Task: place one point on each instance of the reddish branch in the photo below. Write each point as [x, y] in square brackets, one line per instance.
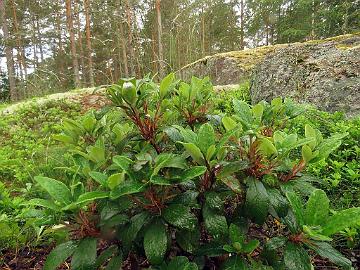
[147, 126]
[294, 171]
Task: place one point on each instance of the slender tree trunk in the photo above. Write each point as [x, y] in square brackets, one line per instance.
[69, 17]
[153, 50]
[137, 49]
[8, 52]
[39, 39]
[60, 50]
[20, 47]
[36, 61]
[130, 37]
[124, 52]
[202, 34]
[80, 42]
[160, 46]
[88, 42]
[346, 18]
[242, 45]
[313, 19]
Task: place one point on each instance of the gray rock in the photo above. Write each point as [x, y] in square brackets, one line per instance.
[227, 68]
[324, 73]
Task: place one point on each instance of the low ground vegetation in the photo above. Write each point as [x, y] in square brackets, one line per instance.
[171, 176]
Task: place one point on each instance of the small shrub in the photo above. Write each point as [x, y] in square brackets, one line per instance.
[165, 191]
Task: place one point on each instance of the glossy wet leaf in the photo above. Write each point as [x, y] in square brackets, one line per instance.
[57, 190]
[59, 254]
[155, 242]
[85, 254]
[296, 257]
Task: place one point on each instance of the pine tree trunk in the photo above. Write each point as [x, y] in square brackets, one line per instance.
[39, 39]
[123, 47]
[242, 45]
[60, 51]
[160, 46]
[80, 42]
[69, 17]
[8, 53]
[346, 18]
[34, 43]
[130, 38]
[88, 42]
[20, 48]
[313, 20]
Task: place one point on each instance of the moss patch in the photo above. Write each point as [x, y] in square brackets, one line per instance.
[248, 58]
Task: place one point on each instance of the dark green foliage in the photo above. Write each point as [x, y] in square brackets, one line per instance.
[154, 186]
[166, 186]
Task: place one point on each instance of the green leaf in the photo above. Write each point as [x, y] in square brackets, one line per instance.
[155, 242]
[188, 240]
[341, 220]
[166, 160]
[99, 177]
[105, 255]
[250, 246]
[229, 123]
[244, 111]
[57, 190]
[181, 263]
[317, 208]
[267, 148]
[306, 153]
[314, 233]
[213, 200]
[43, 203]
[65, 138]
[159, 180]
[296, 206]
[59, 254]
[194, 152]
[210, 152]
[215, 224]
[96, 154]
[115, 263]
[126, 188]
[91, 196]
[296, 257]
[89, 122]
[329, 145]
[180, 216]
[232, 167]
[234, 263]
[212, 249]
[325, 250]
[276, 242]
[115, 180]
[115, 220]
[291, 223]
[257, 201]
[122, 162]
[206, 137]
[165, 85]
[129, 233]
[258, 111]
[278, 201]
[232, 183]
[236, 234]
[191, 173]
[310, 133]
[85, 255]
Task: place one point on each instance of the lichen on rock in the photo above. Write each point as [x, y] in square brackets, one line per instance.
[325, 74]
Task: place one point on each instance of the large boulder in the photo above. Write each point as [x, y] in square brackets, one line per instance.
[324, 73]
[227, 68]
